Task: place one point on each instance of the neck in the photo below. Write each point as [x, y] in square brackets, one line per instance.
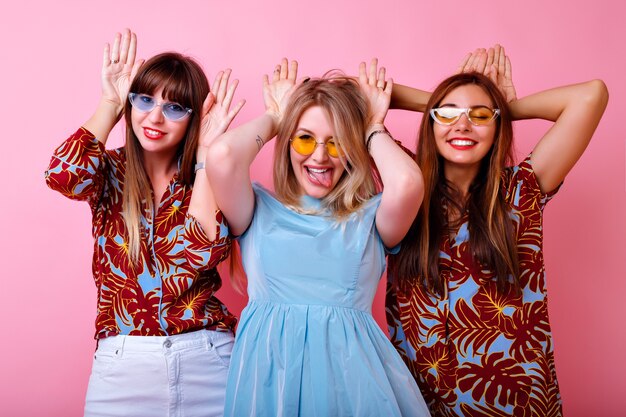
[461, 177]
[160, 165]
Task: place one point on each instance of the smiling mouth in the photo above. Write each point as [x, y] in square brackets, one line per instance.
[462, 143]
[152, 133]
[320, 176]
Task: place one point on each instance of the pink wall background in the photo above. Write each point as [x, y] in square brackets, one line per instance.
[49, 72]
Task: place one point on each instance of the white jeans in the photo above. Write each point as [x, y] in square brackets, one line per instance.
[151, 376]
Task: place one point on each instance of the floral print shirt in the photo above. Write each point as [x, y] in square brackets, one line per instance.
[171, 290]
[475, 351]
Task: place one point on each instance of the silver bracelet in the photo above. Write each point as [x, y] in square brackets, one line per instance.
[198, 166]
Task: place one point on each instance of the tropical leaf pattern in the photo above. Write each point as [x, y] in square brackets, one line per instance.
[171, 290]
[474, 350]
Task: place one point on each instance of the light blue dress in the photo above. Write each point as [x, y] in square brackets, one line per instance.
[307, 343]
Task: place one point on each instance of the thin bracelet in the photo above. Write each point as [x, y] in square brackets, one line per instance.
[198, 166]
[368, 142]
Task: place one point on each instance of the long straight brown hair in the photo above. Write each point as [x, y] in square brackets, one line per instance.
[183, 82]
[492, 232]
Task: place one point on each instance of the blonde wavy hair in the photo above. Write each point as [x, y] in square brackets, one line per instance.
[347, 110]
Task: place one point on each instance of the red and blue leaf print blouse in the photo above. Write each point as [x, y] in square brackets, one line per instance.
[172, 289]
[476, 351]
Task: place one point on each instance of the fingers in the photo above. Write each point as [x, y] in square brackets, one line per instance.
[381, 78]
[216, 82]
[276, 74]
[132, 49]
[463, 64]
[508, 71]
[222, 92]
[124, 49]
[372, 71]
[124, 46]
[293, 71]
[372, 75]
[501, 59]
[235, 110]
[389, 86]
[283, 68]
[481, 61]
[208, 103]
[490, 59]
[469, 66]
[493, 73]
[106, 55]
[115, 51]
[228, 97]
[135, 69]
[223, 86]
[362, 73]
[284, 71]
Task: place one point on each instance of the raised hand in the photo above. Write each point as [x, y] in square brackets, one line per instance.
[493, 63]
[500, 73]
[216, 112]
[119, 68]
[376, 90]
[478, 61]
[277, 92]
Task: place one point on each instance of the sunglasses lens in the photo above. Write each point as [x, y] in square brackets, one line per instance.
[145, 103]
[142, 102]
[481, 115]
[447, 115]
[333, 149]
[174, 111]
[304, 145]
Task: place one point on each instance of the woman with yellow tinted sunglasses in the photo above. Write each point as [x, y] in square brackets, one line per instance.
[314, 251]
[467, 296]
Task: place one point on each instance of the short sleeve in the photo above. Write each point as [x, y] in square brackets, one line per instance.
[522, 186]
[77, 167]
[201, 252]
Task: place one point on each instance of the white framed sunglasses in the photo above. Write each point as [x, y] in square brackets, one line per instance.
[477, 115]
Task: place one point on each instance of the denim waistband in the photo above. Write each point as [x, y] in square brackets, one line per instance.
[198, 338]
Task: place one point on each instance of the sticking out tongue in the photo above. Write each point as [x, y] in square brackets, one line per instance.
[322, 177]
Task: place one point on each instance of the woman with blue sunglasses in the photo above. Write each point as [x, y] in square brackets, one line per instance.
[466, 302]
[163, 338]
[314, 250]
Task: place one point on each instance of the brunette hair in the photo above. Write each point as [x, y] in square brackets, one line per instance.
[347, 110]
[492, 232]
[183, 82]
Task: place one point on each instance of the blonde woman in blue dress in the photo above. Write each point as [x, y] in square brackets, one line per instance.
[313, 252]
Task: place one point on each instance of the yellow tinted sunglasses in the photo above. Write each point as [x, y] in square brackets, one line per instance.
[478, 115]
[306, 144]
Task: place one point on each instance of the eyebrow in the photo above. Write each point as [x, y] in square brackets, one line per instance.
[305, 130]
[454, 105]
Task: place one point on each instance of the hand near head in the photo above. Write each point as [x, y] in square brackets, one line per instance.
[501, 74]
[276, 93]
[119, 68]
[216, 112]
[376, 90]
[495, 64]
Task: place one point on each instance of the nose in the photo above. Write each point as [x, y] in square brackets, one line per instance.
[156, 114]
[463, 123]
[321, 152]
